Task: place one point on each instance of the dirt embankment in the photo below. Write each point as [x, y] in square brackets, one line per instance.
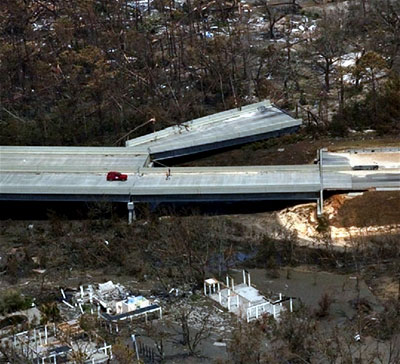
[375, 208]
[345, 217]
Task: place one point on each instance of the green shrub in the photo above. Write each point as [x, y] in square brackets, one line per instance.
[12, 301]
[323, 224]
[50, 312]
[379, 111]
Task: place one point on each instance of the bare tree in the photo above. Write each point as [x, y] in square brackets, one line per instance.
[275, 11]
[247, 344]
[193, 331]
[328, 46]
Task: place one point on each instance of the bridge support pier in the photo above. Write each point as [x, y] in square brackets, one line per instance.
[320, 204]
[131, 212]
[320, 201]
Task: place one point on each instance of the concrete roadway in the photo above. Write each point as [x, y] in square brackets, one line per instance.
[70, 159]
[85, 179]
[386, 176]
[79, 173]
[155, 182]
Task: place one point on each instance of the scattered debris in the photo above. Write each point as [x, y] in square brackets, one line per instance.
[59, 343]
[112, 302]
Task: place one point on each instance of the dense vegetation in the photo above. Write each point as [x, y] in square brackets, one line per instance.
[87, 72]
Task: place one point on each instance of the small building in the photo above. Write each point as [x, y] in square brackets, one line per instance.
[243, 299]
[132, 303]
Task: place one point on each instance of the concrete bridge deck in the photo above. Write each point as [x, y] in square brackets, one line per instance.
[249, 123]
[79, 173]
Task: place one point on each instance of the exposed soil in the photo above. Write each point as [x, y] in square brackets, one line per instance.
[373, 208]
[385, 287]
[346, 217]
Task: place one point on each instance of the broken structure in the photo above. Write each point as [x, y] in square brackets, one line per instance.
[112, 302]
[65, 343]
[78, 173]
[243, 299]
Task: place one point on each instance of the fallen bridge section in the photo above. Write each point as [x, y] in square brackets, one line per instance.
[249, 123]
[79, 173]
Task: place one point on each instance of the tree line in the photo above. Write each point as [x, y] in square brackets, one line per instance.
[88, 72]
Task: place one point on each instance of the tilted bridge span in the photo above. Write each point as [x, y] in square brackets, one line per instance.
[79, 173]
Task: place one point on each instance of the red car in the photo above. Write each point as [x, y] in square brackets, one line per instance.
[116, 176]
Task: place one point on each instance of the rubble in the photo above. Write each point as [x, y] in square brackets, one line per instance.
[112, 302]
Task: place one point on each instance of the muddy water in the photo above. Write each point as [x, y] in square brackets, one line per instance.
[308, 287]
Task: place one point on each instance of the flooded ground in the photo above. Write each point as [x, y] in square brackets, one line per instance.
[308, 286]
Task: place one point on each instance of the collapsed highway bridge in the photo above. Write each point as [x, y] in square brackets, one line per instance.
[79, 173]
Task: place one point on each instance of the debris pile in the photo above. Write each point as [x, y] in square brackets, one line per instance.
[112, 302]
